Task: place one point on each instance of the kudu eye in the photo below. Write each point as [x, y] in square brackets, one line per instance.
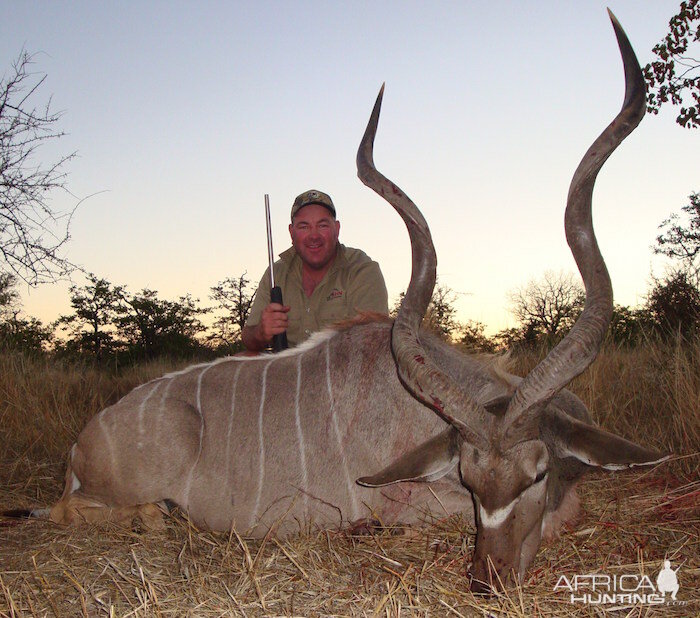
[540, 477]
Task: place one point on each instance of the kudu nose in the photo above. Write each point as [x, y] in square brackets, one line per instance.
[487, 581]
[479, 587]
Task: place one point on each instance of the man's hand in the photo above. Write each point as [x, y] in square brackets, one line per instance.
[273, 321]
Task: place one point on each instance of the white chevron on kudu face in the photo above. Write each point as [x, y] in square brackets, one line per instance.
[277, 442]
[495, 518]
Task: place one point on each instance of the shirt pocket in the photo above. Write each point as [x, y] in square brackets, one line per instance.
[334, 310]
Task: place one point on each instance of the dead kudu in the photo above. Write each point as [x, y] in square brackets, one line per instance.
[280, 441]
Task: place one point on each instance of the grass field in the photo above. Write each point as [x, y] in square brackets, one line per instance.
[632, 521]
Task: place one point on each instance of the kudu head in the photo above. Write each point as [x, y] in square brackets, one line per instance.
[519, 453]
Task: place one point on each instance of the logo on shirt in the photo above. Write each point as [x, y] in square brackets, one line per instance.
[336, 293]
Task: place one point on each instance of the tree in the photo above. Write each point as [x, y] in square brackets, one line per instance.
[677, 72]
[628, 326]
[525, 336]
[681, 239]
[32, 234]
[674, 304]
[155, 327]
[548, 306]
[471, 334]
[235, 298]
[17, 333]
[440, 315]
[9, 298]
[26, 334]
[96, 307]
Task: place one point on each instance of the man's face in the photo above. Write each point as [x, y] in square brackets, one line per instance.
[314, 234]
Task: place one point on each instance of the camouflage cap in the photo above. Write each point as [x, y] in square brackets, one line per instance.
[313, 197]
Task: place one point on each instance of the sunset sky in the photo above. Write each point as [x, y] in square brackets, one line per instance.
[184, 114]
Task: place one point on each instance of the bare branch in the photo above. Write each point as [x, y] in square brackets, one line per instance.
[548, 305]
[32, 234]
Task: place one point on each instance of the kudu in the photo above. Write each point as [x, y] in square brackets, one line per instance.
[278, 441]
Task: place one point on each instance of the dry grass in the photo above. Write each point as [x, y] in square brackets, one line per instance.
[632, 521]
[44, 404]
[649, 394]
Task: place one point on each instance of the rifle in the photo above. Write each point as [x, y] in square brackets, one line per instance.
[279, 342]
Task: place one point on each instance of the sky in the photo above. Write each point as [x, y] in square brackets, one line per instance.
[184, 114]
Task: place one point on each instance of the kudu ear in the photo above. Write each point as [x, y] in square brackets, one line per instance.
[595, 446]
[428, 462]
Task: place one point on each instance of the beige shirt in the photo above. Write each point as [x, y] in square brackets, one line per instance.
[353, 283]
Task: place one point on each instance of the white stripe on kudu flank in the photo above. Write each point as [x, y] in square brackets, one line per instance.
[108, 440]
[300, 437]
[261, 443]
[199, 409]
[231, 416]
[162, 408]
[198, 400]
[341, 448]
[142, 409]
